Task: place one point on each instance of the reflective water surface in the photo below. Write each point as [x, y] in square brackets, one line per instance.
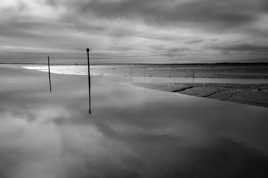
[133, 132]
[128, 75]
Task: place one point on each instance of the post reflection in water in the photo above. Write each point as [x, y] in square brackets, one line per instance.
[135, 132]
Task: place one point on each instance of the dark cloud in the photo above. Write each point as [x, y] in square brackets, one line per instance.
[170, 52]
[175, 52]
[204, 13]
[51, 2]
[245, 47]
[194, 41]
[265, 5]
[33, 34]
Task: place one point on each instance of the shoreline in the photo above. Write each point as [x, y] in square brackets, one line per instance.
[244, 88]
[155, 64]
[251, 94]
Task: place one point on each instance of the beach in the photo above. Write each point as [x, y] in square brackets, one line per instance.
[132, 132]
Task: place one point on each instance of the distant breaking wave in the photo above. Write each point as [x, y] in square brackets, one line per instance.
[66, 70]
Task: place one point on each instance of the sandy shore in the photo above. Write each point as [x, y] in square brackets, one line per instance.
[252, 94]
[133, 132]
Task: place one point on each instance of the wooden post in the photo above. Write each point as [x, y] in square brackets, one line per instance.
[89, 83]
[49, 77]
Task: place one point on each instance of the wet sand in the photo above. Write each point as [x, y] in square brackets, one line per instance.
[251, 94]
[133, 131]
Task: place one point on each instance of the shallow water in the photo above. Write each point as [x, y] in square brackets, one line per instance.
[102, 70]
[133, 132]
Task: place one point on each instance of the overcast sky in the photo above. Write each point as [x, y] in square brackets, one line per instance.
[134, 30]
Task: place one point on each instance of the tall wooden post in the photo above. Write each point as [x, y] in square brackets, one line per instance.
[89, 83]
[49, 77]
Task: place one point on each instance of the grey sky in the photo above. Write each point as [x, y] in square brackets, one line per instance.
[135, 30]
